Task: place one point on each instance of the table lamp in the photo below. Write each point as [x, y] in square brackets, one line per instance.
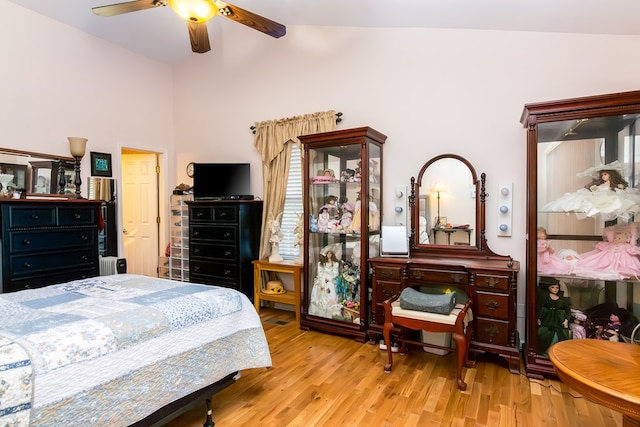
[77, 146]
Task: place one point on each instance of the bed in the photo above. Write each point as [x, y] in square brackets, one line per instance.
[113, 350]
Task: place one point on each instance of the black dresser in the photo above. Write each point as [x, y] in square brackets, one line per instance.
[224, 237]
[48, 241]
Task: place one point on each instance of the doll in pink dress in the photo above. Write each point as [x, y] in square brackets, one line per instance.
[548, 261]
[613, 259]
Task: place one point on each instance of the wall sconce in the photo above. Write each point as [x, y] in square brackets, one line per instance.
[78, 147]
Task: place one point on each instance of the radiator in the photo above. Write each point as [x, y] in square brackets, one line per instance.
[112, 265]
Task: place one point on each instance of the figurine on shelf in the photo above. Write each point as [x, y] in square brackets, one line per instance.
[548, 261]
[578, 332]
[324, 176]
[608, 195]
[324, 299]
[348, 175]
[276, 237]
[313, 224]
[347, 216]
[613, 259]
[611, 331]
[331, 206]
[553, 318]
[323, 220]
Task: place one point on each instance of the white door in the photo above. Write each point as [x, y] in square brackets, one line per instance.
[140, 213]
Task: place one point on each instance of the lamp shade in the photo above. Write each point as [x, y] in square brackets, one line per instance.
[437, 188]
[197, 11]
[77, 145]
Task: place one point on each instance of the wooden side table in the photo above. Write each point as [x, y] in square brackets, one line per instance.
[289, 297]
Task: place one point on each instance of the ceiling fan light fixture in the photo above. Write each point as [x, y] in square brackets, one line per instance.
[197, 11]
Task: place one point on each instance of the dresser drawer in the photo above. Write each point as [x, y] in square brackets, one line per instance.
[451, 277]
[385, 290]
[50, 278]
[220, 234]
[22, 265]
[30, 241]
[214, 269]
[27, 216]
[492, 305]
[200, 214]
[225, 214]
[77, 216]
[388, 273]
[224, 252]
[491, 280]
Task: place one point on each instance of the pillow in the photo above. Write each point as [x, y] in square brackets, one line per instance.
[439, 303]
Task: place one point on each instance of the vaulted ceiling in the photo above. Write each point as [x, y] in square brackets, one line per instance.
[160, 34]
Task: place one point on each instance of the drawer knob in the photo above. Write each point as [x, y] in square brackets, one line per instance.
[35, 216]
[386, 274]
[492, 305]
[227, 253]
[84, 237]
[196, 250]
[418, 274]
[84, 258]
[223, 214]
[456, 277]
[26, 265]
[492, 331]
[196, 268]
[26, 242]
[227, 234]
[199, 214]
[77, 215]
[196, 233]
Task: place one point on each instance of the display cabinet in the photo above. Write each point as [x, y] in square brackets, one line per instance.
[583, 222]
[342, 196]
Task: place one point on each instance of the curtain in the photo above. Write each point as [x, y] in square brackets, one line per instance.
[273, 141]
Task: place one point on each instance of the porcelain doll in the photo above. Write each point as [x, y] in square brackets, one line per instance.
[323, 220]
[613, 259]
[608, 196]
[578, 331]
[548, 261]
[554, 313]
[331, 207]
[324, 298]
[611, 331]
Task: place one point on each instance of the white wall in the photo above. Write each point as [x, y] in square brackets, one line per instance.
[56, 81]
[431, 91]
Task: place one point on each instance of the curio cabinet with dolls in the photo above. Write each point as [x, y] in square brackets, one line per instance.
[342, 196]
[583, 223]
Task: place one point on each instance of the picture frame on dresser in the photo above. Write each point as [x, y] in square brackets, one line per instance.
[101, 164]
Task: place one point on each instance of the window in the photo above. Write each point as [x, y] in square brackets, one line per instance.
[293, 207]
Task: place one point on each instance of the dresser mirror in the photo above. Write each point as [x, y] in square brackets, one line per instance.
[447, 209]
[34, 173]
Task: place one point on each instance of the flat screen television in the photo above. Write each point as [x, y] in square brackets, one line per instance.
[222, 181]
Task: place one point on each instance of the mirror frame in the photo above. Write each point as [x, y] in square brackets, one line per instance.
[39, 156]
[480, 249]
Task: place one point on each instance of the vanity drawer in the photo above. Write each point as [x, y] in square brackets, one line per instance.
[385, 290]
[450, 277]
[492, 305]
[492, 331]
[388, 273]
[491, 280]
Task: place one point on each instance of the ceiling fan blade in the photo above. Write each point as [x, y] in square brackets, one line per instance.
[131, 6]
[199, 37]
[252, 20]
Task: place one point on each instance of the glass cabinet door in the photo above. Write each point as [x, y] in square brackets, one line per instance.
[343, 214]
[584, 228]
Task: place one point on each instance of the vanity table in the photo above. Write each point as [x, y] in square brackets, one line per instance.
[489, 279]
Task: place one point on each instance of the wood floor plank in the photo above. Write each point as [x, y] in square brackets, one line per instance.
[319, 379]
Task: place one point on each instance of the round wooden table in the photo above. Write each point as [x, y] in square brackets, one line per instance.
[606, 372]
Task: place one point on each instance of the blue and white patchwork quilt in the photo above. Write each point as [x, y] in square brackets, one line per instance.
[111, 350]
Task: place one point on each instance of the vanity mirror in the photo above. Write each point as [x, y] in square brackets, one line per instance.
[36, 173]
[447, 209]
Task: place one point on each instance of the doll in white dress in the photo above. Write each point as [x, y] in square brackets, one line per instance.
[324, 299]
[607, 196]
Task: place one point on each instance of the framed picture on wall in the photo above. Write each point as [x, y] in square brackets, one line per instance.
[101, 164]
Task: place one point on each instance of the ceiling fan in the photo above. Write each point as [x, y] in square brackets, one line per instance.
[197, 13]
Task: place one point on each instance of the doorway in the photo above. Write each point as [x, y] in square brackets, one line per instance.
[140, 199]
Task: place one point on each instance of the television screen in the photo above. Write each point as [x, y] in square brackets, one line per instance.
[221, 180]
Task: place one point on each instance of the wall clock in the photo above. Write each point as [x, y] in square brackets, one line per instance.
[190, 170]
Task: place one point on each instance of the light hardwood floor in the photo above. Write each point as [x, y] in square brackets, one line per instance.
[319, 379]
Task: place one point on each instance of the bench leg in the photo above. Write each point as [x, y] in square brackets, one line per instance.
[386, 332]
[461, 343]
